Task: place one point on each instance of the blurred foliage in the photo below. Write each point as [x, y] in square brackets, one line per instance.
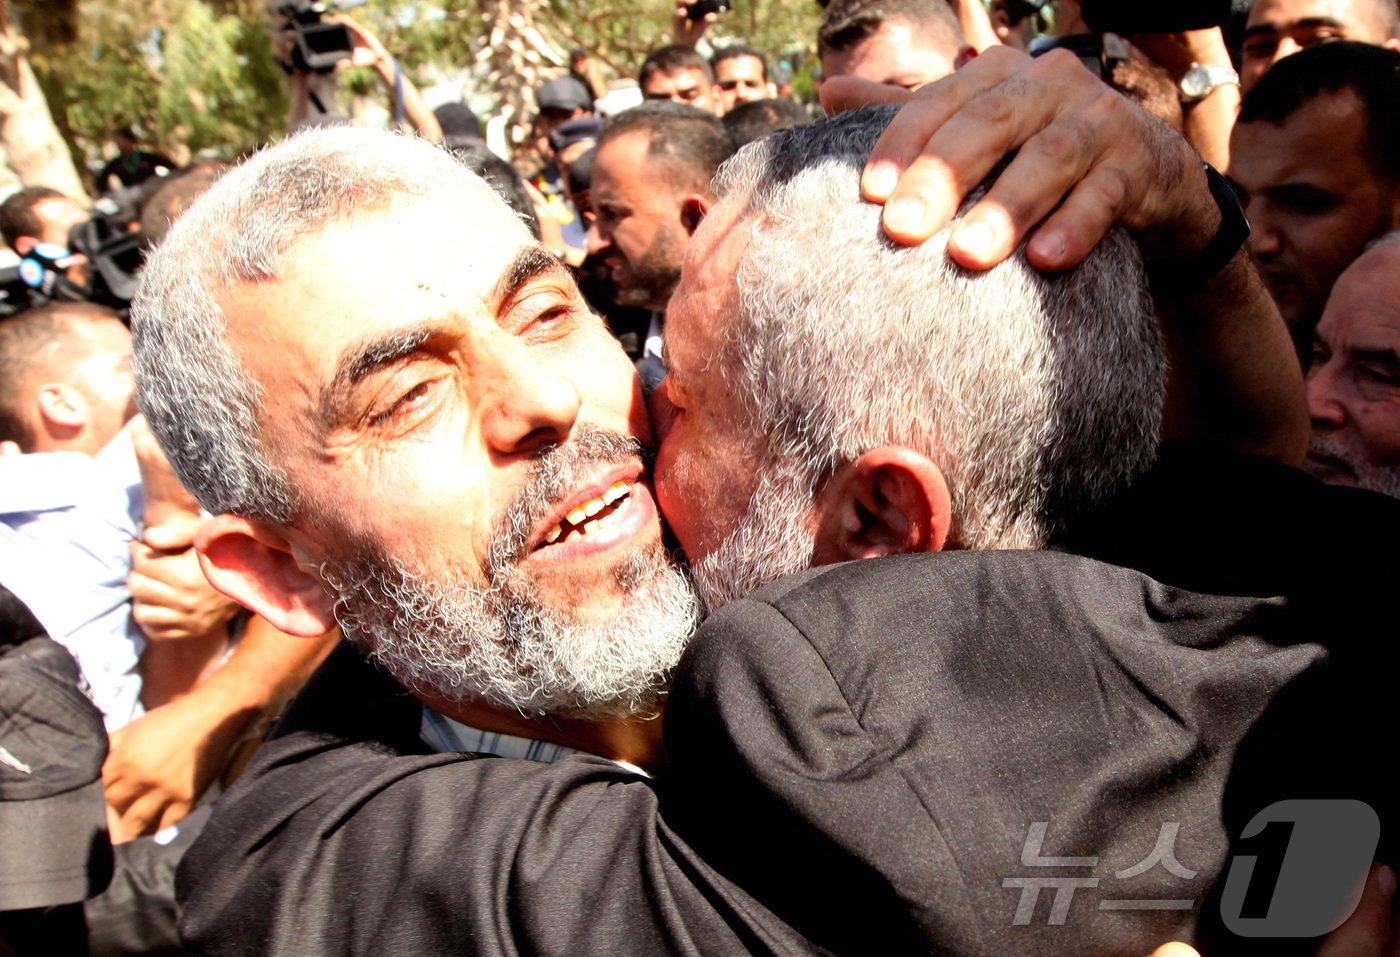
[197, 75]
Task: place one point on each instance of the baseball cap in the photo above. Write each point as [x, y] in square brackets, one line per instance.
[52, 813]
[574, 131]
[563, 93]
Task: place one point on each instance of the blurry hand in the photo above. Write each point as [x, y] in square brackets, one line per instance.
[685, 31]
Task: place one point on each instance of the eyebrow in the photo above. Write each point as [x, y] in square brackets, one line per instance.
[1307, 22]
[1380, 355]
[391, 348]
[533, 262]
[368, 356]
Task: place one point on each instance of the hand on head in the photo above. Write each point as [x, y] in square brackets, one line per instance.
[1082, 152]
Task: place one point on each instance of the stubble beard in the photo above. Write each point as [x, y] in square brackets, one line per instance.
[502, 643]
[773, 539]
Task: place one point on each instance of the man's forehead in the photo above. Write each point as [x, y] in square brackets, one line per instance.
[742, 66]
[1359, 17]
[448, 250]
[1313, 137]
[1365, 303]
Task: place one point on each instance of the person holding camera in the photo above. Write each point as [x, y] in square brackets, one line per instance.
[312, 87]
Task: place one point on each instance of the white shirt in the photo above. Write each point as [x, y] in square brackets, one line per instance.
[66, 521]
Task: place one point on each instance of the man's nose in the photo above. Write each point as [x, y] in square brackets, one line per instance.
[1325, 406]
[1287, 46]
[532, 405]
[1264, 239]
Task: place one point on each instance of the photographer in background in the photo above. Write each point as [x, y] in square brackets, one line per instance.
[312, 89]
[131, 166]
[1184, 39]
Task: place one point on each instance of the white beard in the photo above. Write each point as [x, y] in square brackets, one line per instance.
[498, 642]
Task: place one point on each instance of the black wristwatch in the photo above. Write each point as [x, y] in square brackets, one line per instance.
[1229, 237]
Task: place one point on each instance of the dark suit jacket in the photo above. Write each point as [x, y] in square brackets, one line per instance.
[862, 749]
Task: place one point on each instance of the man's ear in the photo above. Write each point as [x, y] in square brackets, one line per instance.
[63, 411]
[25, 244]
[890, 501]
[254, 563]
[693, 210]
[965, 55]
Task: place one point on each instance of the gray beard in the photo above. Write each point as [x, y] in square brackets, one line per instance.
[773, 539]
[499, 643]
[1375, 478]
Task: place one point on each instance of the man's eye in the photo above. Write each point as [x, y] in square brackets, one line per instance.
[1320, 36]
[1380, 374]
[403, 405]
[1261, 47]
[1317, 357]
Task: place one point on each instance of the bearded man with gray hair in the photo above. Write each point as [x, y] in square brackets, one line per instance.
[469, 370]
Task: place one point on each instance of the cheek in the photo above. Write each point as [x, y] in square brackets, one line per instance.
[1379, 426]
[674, 492]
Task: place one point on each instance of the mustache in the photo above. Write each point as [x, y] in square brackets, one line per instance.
[558, 472]
[1336, 454]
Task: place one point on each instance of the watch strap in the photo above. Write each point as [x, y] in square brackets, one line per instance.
[1229, 238]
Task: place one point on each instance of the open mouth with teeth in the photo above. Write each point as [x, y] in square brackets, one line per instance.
[587, 518]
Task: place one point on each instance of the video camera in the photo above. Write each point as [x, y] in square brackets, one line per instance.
[114, 256]
[319, 45]
[1125, 19]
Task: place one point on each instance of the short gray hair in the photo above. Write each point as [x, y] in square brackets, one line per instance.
[201, 404]
[1037, 394]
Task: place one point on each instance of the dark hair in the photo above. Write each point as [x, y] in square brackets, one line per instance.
[17, 622]
[736, 50]
[1371, 72]
[501, 177]
[847, 22]
[750, 121]
[167, 201]
[673, 59]
[17, 216]
[687, 140]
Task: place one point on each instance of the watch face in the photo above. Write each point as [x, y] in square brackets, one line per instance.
[1196, 82]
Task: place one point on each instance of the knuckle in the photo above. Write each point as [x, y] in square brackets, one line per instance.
[994, 107]
[1061, 143]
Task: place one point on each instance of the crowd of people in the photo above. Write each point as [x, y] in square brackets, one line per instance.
[943, 520]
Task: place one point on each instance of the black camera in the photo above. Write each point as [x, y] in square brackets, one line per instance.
[698, 10]
[319, 45]
[113, 257]
[1124, 19]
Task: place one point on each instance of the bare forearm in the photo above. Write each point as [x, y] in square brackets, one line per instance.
[1235, 377]
[1207, 124]
[406, 94]
[976, 25]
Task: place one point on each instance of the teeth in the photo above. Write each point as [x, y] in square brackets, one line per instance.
[576, 520]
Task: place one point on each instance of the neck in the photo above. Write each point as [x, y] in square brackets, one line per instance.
[634, 740]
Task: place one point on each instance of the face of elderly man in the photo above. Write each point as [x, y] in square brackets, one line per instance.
[1354, 377]
[464, 437]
